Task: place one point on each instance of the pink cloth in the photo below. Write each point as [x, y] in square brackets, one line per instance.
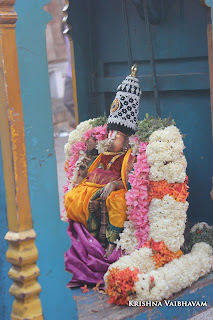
[85, 259]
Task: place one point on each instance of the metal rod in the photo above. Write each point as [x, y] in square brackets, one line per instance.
[152, 60]
[126, 25]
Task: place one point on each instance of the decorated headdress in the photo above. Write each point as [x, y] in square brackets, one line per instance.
[125, 107]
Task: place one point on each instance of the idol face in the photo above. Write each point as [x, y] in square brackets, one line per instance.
[90, 143]
[116, 141]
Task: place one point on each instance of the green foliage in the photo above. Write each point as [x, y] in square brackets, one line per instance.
[99, 121]
[145, 127]
[203, 235]
[150, 124]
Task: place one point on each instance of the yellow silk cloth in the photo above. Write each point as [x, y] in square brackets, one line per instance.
[77, 199]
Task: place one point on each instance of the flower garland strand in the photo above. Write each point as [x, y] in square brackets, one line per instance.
[161, 253]
[166, 206]
[136, 197]
[158, 189]
[175, 275]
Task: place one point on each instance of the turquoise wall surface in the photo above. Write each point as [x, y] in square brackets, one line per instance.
[179, 39]
[51, 241]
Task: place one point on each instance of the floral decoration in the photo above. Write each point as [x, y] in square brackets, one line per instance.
[175, 275]
[153, 267]
[158, 189]
[121, 285]
[161, 253]
[136, 197]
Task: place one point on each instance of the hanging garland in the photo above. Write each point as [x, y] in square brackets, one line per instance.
[153, 233]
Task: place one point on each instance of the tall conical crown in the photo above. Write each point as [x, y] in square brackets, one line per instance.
[125, 107]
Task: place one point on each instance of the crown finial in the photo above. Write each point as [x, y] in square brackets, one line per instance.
[134, 69]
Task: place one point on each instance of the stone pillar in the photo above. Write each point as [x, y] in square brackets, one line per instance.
[22, 252]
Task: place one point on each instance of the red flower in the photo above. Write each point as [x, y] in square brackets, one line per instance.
[121, 285]
[85, 289]
[161, 253]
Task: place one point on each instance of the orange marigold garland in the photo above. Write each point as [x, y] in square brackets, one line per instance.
[158, 189]
[161, 253]
[121, 285]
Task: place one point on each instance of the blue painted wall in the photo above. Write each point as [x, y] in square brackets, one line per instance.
[51, 241]
[5, 283]
[181, 55]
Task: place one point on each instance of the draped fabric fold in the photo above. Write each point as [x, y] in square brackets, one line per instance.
[85, 259]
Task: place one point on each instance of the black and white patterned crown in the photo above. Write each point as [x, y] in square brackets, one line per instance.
[124, 110]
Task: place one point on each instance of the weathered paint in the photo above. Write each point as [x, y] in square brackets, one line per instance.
[51, 241]
[181, 58]
[12, 134]
[5, 283]
[22, 252]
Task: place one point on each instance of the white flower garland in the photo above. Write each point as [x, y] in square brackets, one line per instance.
[76, 136]
[167, 218]
[127, 239]
[172, 172]
[140, 259]
[165, 155]
[174, 276]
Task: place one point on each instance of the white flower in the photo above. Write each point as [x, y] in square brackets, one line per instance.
[140, 259]
[84, 126]
[165, 156]
[165, 145]
[134, 145]
[101, 146]
[128, 241]
[76, 135]
[168, 134]
[167, 218]
[176, 275]
[173, 172]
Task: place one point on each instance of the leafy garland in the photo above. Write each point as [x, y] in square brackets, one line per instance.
[150, 124]
[200, 232]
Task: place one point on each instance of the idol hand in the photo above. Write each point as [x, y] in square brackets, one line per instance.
[111, 186]
[83, 170]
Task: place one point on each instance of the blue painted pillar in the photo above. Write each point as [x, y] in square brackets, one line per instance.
[52, 241]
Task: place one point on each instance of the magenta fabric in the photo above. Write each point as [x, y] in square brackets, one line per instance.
[85, 259]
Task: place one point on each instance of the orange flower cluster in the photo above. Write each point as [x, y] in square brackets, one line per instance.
[158, 189]
[121, 285]
[161, 253]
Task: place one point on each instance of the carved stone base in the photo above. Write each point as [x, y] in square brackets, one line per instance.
[22, 253]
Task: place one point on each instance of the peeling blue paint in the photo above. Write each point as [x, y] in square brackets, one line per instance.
[51, 241]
